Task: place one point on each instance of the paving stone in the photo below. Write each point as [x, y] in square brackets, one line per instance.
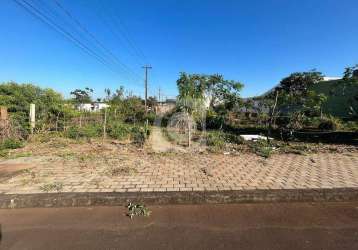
[183, 173]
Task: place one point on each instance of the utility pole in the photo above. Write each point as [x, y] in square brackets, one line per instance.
[159, 94]
[146, 67]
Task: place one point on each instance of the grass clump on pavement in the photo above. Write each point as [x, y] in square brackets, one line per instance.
[119, 171]
[56, 186]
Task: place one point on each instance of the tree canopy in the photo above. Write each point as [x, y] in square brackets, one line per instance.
[298, 83]
[82, 95]
[212, 89]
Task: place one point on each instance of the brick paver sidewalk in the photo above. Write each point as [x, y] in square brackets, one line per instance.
[143, 172]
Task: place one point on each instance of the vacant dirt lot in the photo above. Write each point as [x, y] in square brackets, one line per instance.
[61, 165]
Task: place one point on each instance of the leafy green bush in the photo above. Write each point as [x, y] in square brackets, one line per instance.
[218, 139]
[138, 135]
[88, 131]
[150, 117]
[329, 123]
[17, 98]
[119, 131]
[214, 121]
[232, 138]
[11, 144]
[262, 148]
[351, 126]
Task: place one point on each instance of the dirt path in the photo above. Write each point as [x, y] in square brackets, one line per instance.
[159, 143]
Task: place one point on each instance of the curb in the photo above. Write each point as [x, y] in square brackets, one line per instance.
[161, 198]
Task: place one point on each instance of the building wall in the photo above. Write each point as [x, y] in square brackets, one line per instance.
[92, 107]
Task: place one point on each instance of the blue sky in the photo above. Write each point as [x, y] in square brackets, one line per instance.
[257, 42]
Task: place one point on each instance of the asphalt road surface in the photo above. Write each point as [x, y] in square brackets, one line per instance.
[242, 226]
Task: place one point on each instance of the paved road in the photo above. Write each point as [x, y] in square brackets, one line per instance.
[243, 226]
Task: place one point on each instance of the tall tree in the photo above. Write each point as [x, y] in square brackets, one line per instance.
[82, 95]
[198, 92]
[298, 83]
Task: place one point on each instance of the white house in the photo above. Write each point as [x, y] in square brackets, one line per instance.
[331, 78]
[92, 107]
[99, 105]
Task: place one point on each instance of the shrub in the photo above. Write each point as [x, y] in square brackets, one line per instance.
[216, 140]
[232, 138]
[262, 148]
[214, 121]
[119, 131]
[329, 123]
[11, 144]
[150, 117]
[73, 133]
[351, 126]
[138, 135]
[88, 131]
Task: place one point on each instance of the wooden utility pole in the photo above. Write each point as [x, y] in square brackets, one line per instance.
[146, 67]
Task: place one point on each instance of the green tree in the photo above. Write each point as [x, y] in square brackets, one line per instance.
[82, 95]
[198, 92]
[314, 102]
[351, 73]
[298, 83]
[18, 97]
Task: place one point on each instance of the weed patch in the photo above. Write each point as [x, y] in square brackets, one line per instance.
[218, 140]
[119, 171]
[11, 144]
[4, 153]
[56, 186]
[262, 148]
[137, 210]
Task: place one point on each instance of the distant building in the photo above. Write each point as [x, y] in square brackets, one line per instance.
[165, 107]
[92, 107]
[330, 78]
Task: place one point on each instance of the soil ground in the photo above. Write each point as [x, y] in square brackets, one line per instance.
[160, 144]
[243, 226]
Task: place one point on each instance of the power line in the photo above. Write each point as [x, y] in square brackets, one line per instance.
[35, 12]
[129, 40]
[124, 34]
[100, 44]
[44, 19]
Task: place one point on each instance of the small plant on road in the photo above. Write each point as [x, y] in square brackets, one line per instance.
[137, 210]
